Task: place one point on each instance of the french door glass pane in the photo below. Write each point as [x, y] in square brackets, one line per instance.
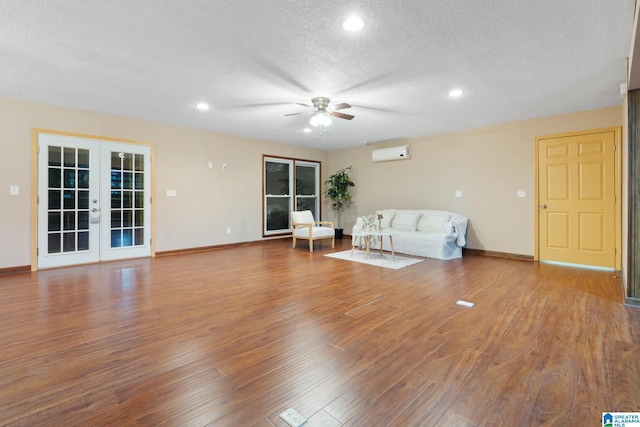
[69, 178]
[83, 159]
[127, 181]
[69, 199]
[54, 243]
[55, 177]
[69, 242]
[54, 221]
[68, 205]
[83, 220]
[83, 199]
[127, 193]
[70, 157]
[83, 241]
[55, 199]
[55, 156]
[83, 178]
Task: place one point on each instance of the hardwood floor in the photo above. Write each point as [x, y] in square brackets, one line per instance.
[233, 337]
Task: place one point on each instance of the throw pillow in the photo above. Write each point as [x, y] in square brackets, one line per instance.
[433, 223]
[405, 221]
[387, 217]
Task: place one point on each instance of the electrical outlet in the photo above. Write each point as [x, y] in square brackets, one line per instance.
[228, 230]
[293, 418]
[521, 193]
[458, 193]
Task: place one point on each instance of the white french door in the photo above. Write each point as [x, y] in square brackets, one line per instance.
[93, 200]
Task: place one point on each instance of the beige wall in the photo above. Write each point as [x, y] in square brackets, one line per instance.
[208, 200]
[487, 164]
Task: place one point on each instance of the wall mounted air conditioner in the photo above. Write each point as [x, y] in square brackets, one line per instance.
[391, 153]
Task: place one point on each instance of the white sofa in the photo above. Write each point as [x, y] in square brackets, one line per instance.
[425, 233]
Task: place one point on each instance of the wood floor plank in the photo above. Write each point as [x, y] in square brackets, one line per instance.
[452, 420]
[626, 393]
[235, 336]
[374, 381]
[476, 396]
[448, 370]
[321, 419]
[513, 404]
[553, 404]
[588, 404]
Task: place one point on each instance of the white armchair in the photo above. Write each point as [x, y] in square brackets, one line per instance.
[305, 227]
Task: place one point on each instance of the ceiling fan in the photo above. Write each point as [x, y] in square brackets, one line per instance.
[321, 111]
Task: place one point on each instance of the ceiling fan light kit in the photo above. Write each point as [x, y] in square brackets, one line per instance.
[322, 111]
[320, 119]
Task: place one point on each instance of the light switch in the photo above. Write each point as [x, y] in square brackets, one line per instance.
[14, 190]
[521, 193]
[210, 165]
[458, 193]
[225, 166]
[172, 193]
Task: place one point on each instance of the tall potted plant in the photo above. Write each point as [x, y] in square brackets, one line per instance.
[337, 190]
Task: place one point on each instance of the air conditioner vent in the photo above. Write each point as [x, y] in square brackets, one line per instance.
[391, 153]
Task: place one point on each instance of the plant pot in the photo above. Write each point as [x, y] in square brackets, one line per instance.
[338, 233]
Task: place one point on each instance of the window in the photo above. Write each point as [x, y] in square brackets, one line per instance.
[284, 178]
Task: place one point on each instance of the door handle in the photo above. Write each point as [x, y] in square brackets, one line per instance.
[94, 217]
[543, 206]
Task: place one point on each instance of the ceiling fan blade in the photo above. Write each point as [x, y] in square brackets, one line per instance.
[342, 115]
[304, 105]
[341, 106]
[304, 112]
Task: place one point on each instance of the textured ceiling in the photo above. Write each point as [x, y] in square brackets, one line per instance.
[253, 60]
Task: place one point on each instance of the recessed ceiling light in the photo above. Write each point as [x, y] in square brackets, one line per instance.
[307, 130]
[202, 106]
[353, 24]
[456, 93]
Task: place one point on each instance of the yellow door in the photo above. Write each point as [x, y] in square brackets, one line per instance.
[576, 195]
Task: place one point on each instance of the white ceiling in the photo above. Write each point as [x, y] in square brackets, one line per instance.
[253, 60]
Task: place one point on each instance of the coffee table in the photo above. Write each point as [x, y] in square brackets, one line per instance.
[367, 235]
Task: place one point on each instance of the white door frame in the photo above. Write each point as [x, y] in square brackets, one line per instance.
[113, 143]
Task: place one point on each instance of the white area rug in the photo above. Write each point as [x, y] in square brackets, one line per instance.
[384, 260]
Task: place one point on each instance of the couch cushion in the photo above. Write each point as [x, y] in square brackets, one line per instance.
[405, 220]
[432, 222]
[318, 232]
[387, 217]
